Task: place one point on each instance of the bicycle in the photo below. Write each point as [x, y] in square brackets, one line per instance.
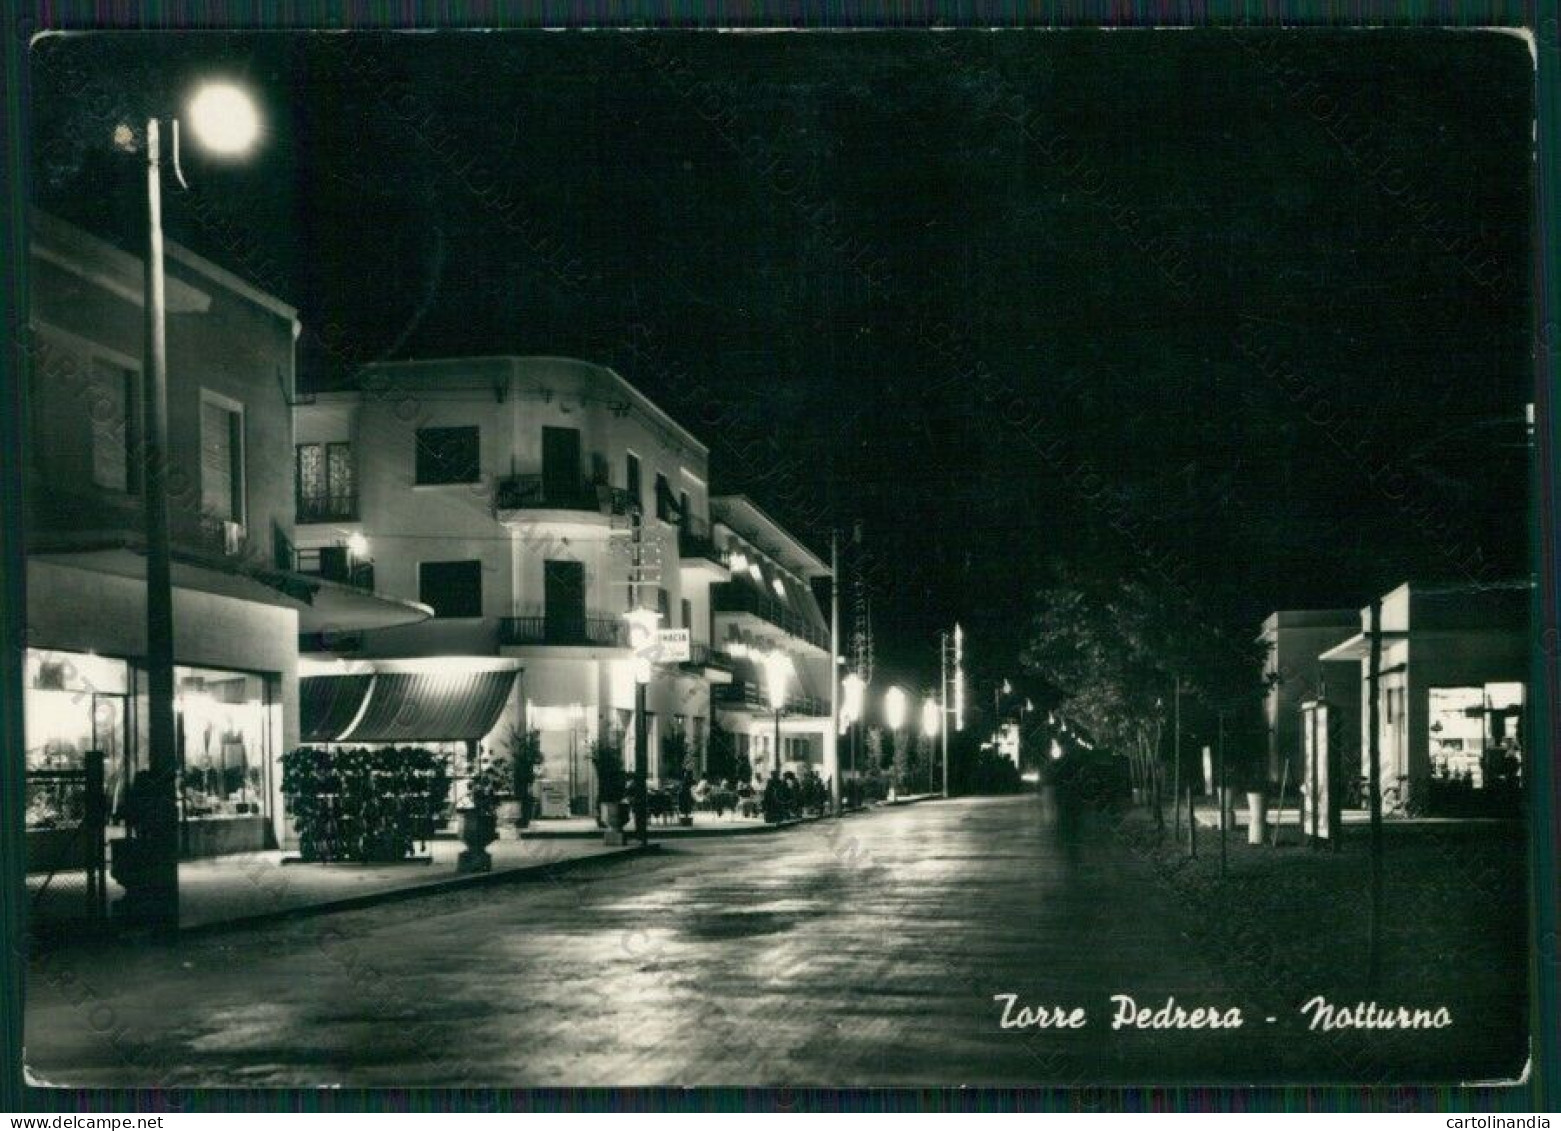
[1403, 798]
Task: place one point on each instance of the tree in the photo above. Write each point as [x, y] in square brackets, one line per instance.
[1114, 651]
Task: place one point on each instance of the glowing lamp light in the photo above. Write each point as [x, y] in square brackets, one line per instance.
[739, 561]
[931, 717]
[894, 707]
[778, 670]
[643, 641]
[224, 119]
[357, 546]
[855, 688]
[1056, 750]
[780, 590]
[755, 572]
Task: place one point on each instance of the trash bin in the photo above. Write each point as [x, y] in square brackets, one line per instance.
[1257, 815]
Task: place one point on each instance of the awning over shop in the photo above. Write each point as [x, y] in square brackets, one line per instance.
[1358, 647]
[412, 707]
[327, 704]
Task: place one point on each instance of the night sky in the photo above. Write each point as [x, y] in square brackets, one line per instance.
[1254, 310]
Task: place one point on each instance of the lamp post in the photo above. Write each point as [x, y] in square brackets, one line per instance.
[854, 688]
[226, 123]
[894, 707]
[932, 726]
[778, 670]
[644, 643]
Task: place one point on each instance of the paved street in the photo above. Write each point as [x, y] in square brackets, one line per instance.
[862, 952]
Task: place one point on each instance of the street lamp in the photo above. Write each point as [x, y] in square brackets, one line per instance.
[646, 647]
[931, 722]
[225, 122]
[894, 709]
[778, 670]
[855, 688]
[931, 725]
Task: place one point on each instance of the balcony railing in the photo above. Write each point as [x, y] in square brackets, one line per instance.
[738, 597]
[701, 655]
[743, 693]
[533, 492]
[335, 563]
[328, 508]
[599, 630]
[695, 541]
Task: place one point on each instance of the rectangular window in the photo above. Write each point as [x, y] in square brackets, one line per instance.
[664, 607]
[114, 431]
[687, 609]
[666, 505]
[327, 482]
[631, 478]
[222, 459]
[451, 589]
[447, 455]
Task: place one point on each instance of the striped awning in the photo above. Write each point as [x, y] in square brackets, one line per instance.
[411, 707]
[327, 704]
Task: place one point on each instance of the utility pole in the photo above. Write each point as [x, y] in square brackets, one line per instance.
[1219, 793]
[943, 695]
[1176, 766]
[641, 738]
[832, 739]
[156, 901]
[1374, 772]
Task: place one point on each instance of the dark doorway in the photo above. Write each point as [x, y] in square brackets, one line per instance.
[564, 596]
[560, 465]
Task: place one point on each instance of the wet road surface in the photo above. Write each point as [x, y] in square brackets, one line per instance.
[858, 952]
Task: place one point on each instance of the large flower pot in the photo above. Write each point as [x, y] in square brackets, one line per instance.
[511, 819]
[613, 819]
[478, 830]
[1257, 815]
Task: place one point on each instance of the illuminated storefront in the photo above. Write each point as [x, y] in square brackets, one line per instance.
[1451, 702]
[228, 731]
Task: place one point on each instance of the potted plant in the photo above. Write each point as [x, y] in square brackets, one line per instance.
[526, 756]
[478, 809]
[518, 806]
[685, 799]
[607, 761]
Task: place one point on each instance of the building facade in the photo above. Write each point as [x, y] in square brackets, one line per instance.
[1453, 702]
[1293, 674]
[239, 604]
[765, 612]
[530, 503]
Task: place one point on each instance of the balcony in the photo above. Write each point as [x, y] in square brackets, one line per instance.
[745, 695]
[696, 546]
[327, 508]
[597, 630]
[735, 597]
[514, 494]
[335, 563]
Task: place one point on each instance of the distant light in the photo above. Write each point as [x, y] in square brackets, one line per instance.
[894, 706]
[931, 717]
[755, 572]
[357, 545]
[739, 561]
[224, 119]
[643, 641]
[778, 670]
[780, 590]
[1056, 750]
[855, 688]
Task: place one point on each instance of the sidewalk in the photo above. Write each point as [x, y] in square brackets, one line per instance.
[705, 824]
[1207, 814]
[247, 888]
